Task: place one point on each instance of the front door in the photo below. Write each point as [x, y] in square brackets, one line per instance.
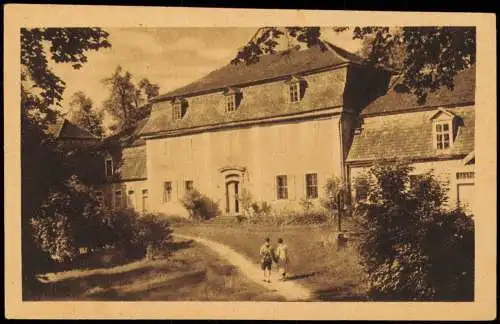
[232, 203]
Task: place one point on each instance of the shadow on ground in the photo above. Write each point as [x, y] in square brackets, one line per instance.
[337, 293]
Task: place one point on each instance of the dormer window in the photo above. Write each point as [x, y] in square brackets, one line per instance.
[232, 99]
[443, 135]
[443, 123]
[178, 108]
[230, 102]
[295, 89]
[294, 92]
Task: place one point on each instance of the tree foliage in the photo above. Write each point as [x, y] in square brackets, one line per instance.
[431, 56]
[85, 115]
[412, 246]
[127, 102]
[61, 45]
[41, 156]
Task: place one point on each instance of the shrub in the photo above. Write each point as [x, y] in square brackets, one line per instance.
[200, 206]
[66, 217]
[311, 217]
[411, 246]
[152, 234]
[332, 188]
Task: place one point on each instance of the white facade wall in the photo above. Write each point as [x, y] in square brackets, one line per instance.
[256, 154]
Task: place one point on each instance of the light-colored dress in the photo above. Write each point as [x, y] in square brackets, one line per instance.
[283, 258]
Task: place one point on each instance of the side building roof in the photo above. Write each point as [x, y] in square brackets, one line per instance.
[396, 126]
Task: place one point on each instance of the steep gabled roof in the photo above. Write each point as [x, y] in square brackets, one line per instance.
[268, 67]
[394, 100]
[64, 129]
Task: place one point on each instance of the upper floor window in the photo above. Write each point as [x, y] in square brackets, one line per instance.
[311, 186]
[443, 135]
[167, 191]
[281, 187]
[443, 122]
[108, 165]
[230, 102]
[294, 90]
[177, 111]
[178, 108]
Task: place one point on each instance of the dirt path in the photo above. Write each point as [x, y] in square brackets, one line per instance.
[290, 290]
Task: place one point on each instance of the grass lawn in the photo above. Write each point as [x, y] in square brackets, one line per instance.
[191, 273]
[315, 261]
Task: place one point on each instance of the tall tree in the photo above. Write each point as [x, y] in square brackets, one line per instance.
[41, 92]
[127, 102]
[84, 115]
[433, 55]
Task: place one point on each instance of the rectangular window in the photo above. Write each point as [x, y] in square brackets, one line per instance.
[118, 199]
[230, 103]
[465, 175]
[144, 200]
[100, 197]
[443, 136]
[167, 191]
[311, 186]
[281, 187]
[294, 92]
[177, 112]
[189, 185]
[109, 167]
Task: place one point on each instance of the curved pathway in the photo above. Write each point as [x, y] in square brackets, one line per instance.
[290, 290]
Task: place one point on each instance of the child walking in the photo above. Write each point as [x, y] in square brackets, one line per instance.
[266, 259]
[282, 258]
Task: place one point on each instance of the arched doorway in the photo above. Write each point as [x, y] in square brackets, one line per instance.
[232, 202]
[232, 178]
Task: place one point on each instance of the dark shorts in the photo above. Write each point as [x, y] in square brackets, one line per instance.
[266, 264]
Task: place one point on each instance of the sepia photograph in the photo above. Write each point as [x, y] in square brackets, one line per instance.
[287, 163]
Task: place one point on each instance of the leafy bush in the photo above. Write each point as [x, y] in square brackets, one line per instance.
[412, 247]
[66, 217]
[311, 217]
[152, 234]
[200, 206]
[332, 188]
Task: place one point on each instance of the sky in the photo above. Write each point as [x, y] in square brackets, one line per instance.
[169, 57]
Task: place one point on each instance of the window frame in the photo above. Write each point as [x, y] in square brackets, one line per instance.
[281, 187]
[311, 187]
[99, 196]
[115, 205]
[294, 91]
[441, 134]
[109, 159]
[230, 102]
[167, 193]
[186, 183]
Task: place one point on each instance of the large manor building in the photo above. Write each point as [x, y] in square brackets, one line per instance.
[279, 128]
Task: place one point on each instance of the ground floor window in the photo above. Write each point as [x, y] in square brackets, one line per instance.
[118, 199]
[145, 200]
[167, 191]
[189, 185]
[311, 186]
[281, 187]
[100, 197]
